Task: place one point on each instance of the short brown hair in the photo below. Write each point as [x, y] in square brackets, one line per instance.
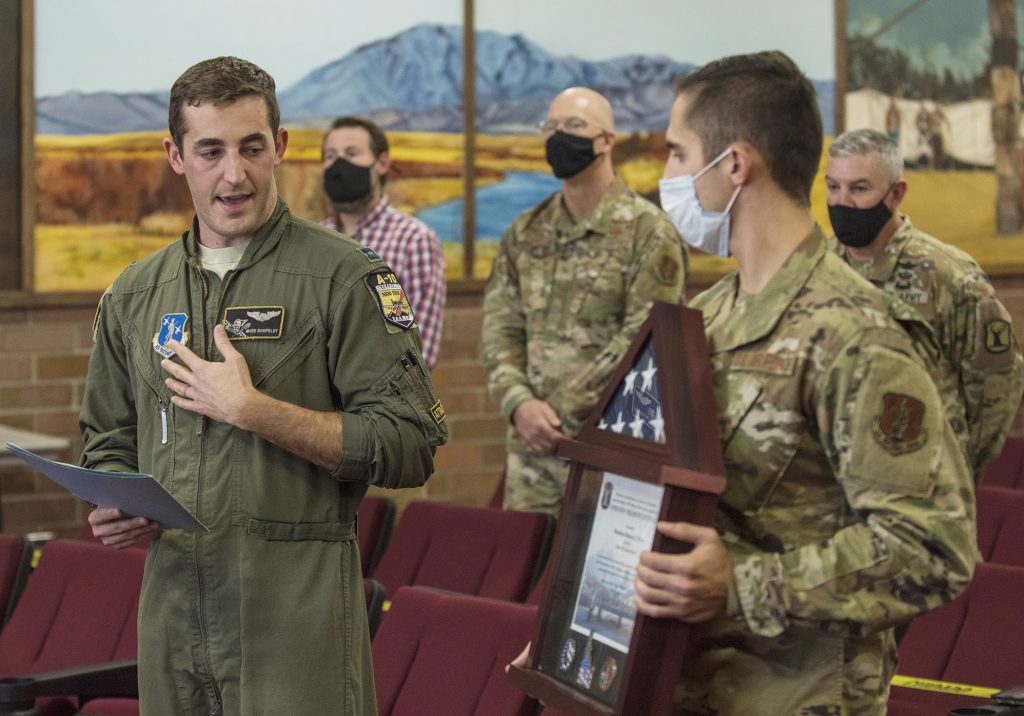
[220, 80]
[764, 99]
[378, 140]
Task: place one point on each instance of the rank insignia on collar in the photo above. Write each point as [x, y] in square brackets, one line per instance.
[249, 323]
[900, 427]
[391, 298]
[172, 327]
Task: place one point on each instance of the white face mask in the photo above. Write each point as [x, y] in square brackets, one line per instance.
[701, 229]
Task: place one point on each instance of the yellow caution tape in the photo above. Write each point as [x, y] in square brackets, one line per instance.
[943, 687]
[386, 606]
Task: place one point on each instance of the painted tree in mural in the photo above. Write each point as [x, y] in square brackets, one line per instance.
[1006, 113]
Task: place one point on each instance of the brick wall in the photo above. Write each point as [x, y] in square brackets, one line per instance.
[43, 356]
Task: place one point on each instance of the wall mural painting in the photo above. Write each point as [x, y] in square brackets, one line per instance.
[942, 79]
[105, 193]
[929, 72]
[528, 51]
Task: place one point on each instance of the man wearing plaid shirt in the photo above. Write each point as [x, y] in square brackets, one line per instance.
[356, 163]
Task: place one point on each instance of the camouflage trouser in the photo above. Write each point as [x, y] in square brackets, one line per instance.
[534, 483]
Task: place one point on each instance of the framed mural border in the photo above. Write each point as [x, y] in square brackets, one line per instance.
[839, 108]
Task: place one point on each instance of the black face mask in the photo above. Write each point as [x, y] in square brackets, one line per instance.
[569, 154]
[858, 227]
[345, 182]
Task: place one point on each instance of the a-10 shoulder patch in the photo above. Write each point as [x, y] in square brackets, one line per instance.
[391, 299]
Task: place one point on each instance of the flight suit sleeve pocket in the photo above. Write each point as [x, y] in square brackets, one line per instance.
[405, 389]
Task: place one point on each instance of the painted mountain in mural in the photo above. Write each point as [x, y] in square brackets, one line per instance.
[413, 81]
[101, 112]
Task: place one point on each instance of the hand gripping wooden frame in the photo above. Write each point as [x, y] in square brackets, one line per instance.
[686, 459]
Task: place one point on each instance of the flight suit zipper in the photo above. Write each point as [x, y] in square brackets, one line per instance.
[204, 353]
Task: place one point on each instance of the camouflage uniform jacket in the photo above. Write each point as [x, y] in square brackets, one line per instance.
[981, 360]
[565, 298]
[848, 506]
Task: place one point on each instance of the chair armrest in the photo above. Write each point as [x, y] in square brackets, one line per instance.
[113, 679]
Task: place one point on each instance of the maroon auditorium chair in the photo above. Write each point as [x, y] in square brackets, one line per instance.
[1007, 470]
[1001, 525]
[72, 634]
[443, 654]
[375, 520]
[975, 640]
[472, 550]
[15, 559]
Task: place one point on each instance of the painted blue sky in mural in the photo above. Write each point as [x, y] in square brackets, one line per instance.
[413, 81]
[334, 50]
[147, 45]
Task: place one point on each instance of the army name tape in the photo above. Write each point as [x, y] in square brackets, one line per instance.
[943, 687]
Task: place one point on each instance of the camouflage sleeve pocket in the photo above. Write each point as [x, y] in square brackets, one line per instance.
[897, 429]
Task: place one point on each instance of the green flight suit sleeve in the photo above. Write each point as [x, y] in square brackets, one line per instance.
[987, 356]
[656, 273]
[108, 418]
[909, 545]
[504, 330]
[392, 421]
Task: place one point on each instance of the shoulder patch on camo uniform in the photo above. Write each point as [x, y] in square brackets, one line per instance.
[250, 323]
[997, 336]
[668, 269]
[899, 429]
[172, 327]
[391, 298]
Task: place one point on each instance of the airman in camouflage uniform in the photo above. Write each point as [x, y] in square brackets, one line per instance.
[982, 372]
[569, 288]
[848, 506]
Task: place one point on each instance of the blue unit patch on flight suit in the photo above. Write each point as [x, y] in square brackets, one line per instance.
[172, 327]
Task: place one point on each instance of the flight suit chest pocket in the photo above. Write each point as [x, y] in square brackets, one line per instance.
[270, 363]
[406, 390]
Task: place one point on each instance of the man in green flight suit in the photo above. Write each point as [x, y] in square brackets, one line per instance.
[982, 372]
[848, 507]
[265, 372]
[574, 278]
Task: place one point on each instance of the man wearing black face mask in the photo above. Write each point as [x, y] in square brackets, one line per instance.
[573, 280]
[981, 361]
[356, 164]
